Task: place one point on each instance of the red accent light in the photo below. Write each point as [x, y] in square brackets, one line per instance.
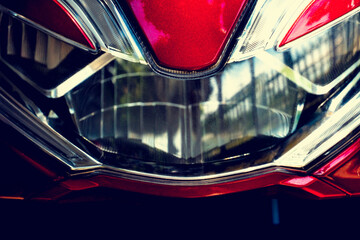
[187, 34]
[299, 181]
[347, 154]
[51, 15]
[347, 177]
[317, 14]
[316, 187]
[344, 170]
[77, 34]
[194, 191]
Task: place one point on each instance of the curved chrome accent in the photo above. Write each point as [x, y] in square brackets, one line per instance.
[264, 25]
[71, 82]
[110, 28]
[127, 31]
[338, 125]
[300, 80]
[266, 29]
[43, 136]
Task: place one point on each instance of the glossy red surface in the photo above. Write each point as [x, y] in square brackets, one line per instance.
[51, 15]
[70, 28]
[187, 34]
[311, 185]
[340, 159]
[317, 14]
[299, 181]
[347, 177]
[344, 170]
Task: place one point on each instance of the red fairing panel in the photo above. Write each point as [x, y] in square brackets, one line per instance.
[317, 14]
[52, 15]
[343, 171]
[187, 34]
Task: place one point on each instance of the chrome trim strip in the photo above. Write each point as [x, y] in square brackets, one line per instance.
[234, 57]
[128, 33]
[120, 23]
[261, 16]
[300, 80]
[281, 28]
[339, 125]
[178, 181]
[72, 81]
[85, 19]
[46, 138]
[290, 17]
[81, 76]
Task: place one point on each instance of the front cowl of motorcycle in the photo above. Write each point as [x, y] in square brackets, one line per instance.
[180, 99]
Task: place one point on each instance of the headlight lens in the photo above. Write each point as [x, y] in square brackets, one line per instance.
[184, 123]
[274, 111]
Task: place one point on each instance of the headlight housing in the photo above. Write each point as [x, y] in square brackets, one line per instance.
[271, 109]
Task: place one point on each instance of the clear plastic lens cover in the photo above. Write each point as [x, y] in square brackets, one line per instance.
[272, 109]
[109, 27]
[237, 118]
[37, 57]
[131, 113]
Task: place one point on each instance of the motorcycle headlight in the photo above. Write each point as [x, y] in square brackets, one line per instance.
[124, 96]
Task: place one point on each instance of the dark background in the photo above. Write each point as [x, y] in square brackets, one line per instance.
[137, 216]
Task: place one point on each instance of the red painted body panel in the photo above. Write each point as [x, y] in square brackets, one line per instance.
[343, 171]
[186, 34]
[317, 14]
[51, 15]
